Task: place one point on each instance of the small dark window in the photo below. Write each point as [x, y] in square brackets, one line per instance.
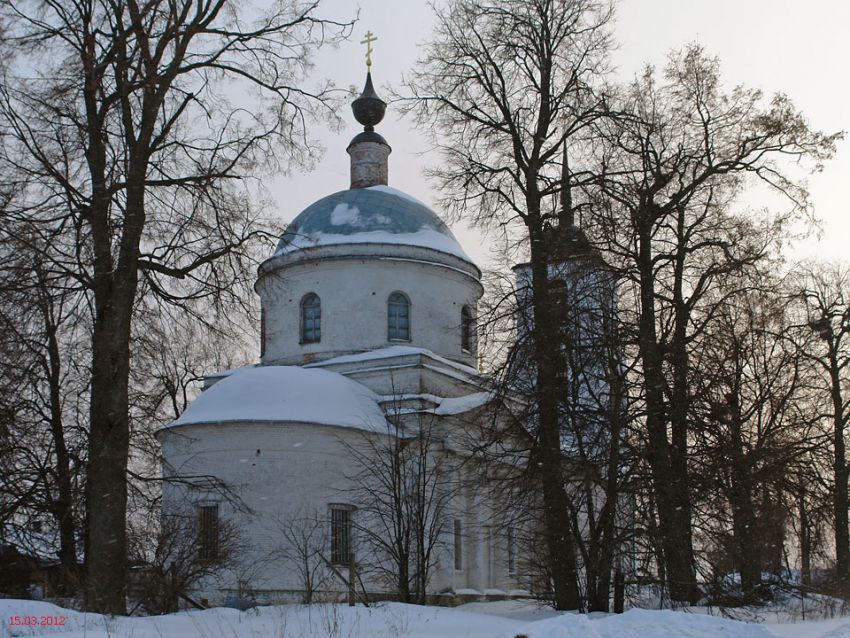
[466, 328]
[558, 296]
[208, 532]
[340, 535]
[262, 332]
[458, 545]
[311, 319]
[398, 317]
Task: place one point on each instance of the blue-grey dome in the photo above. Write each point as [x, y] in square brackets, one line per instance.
[378, 214]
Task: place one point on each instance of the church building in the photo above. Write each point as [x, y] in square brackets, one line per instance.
[368, 315]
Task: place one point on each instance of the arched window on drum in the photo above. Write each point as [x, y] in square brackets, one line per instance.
[467, 329]
[398, 317]
[311, 318]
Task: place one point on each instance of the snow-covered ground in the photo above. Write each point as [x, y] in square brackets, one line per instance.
[835, 628]
[505, 619]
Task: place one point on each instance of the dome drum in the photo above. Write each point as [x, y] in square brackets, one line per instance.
[351, 253]
[369, 166]
[356, 296]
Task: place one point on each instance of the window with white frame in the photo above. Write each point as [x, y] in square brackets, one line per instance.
[398, 317]
[311, 318]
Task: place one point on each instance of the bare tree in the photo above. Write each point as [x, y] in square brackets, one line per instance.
[593, 407]
[180, 559]
[753, 425]
[42, 325]
[673, 164]
[304, 548]
[404, 484]
[825, 293]
[124, 137]
[504, 87]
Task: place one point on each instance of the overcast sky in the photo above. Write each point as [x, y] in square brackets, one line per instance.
[789, 46]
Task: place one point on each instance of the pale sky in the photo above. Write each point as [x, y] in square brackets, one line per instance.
[801, 48]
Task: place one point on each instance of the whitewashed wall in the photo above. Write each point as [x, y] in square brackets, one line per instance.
[354, 290]
[282, 471]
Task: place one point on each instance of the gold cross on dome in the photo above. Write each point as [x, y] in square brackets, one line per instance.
[370, 38]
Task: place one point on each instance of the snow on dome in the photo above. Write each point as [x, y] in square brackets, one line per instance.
[344, 214]
[287, 393]
[394, 191]
[378, 214]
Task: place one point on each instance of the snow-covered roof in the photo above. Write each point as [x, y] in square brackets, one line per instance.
[391, 352]
[287, 394]
[459, 405]
[373, 215]
[227, 372]
[441, 406]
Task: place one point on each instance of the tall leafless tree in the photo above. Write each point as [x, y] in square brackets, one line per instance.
[503, 88]
[753, 428]
[125, 127]
[673, 163]
[593, 407]
[404, 485]
[825, 293]
[43, 330]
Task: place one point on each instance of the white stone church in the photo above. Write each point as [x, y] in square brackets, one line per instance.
[368, 309]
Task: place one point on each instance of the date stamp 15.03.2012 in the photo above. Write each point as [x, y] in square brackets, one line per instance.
[36, 621]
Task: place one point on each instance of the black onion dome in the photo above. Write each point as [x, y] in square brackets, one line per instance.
[369, 109]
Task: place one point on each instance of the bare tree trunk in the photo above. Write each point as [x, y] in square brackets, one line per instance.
[824, 293]
[680, 399]
[599, 598]
[670, 488]
[106, 486]
[548, 390]
[805, 534]
[63, 506]
[115, 285]
[840, 498]
[745, 526]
